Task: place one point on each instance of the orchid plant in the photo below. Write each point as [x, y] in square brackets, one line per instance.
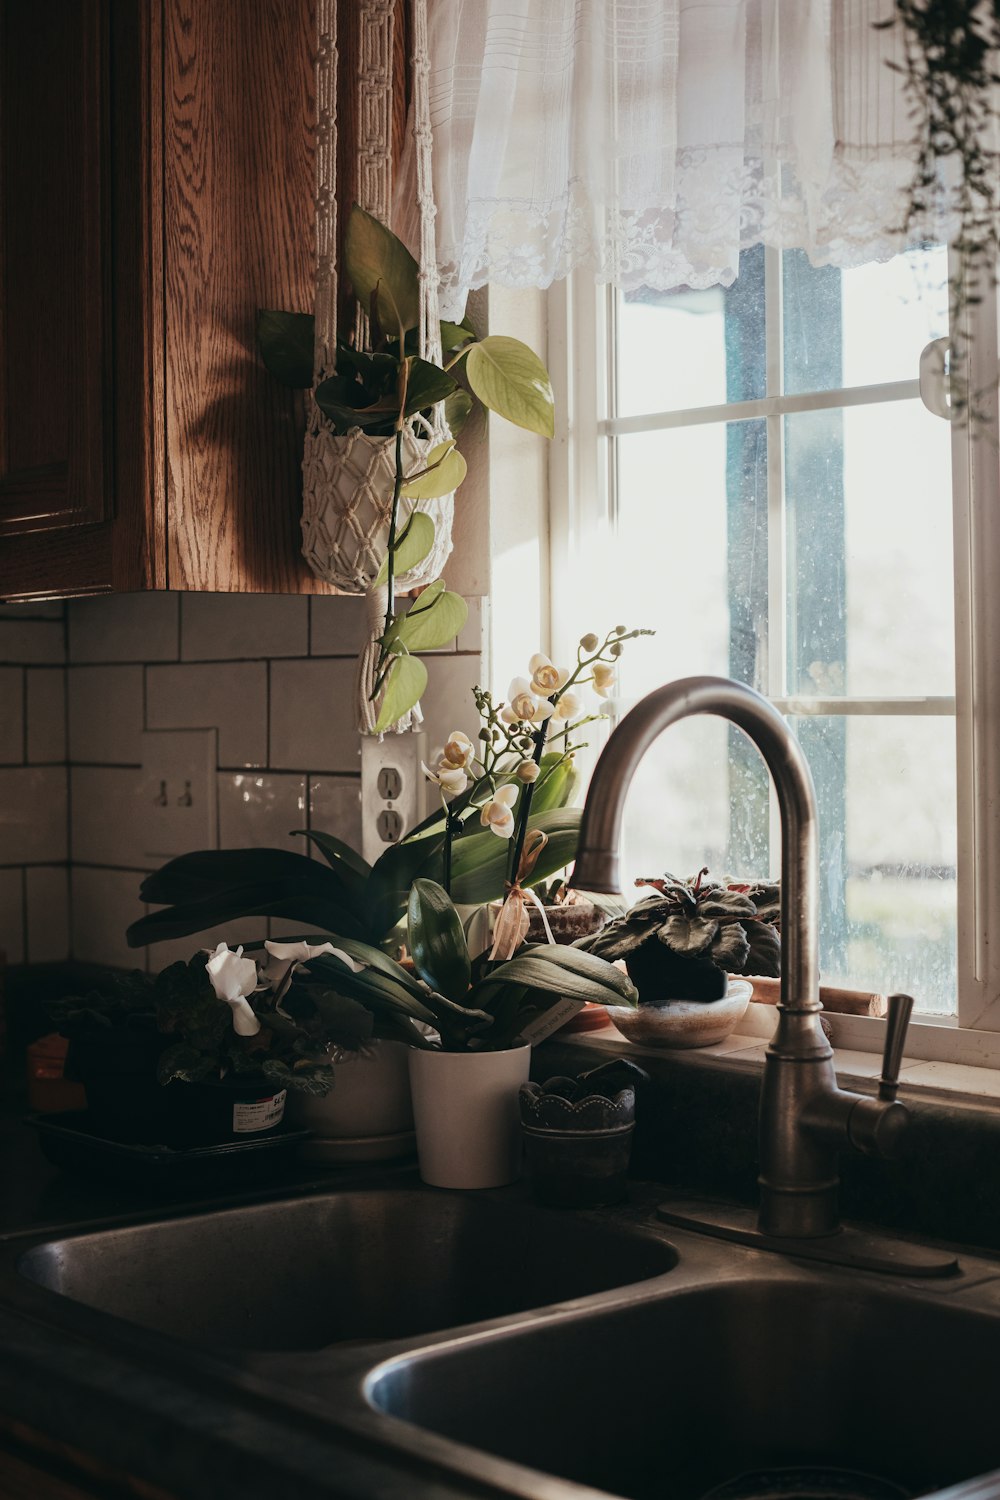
[524, 752]
[386, 389]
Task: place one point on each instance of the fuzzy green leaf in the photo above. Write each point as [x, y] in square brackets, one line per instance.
[285, 341]
[512, 381]
[437, 941]
[406, 682]
[375, 258]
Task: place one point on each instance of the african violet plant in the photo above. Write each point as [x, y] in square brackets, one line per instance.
[386, 389]
[681, 943]
[472, 1003]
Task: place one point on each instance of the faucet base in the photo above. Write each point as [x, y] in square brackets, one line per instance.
[857, 1248]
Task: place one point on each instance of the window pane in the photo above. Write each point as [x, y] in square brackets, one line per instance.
[686, 348]
[869, 538]
[692, 532]
[885, 789]
[865, 326]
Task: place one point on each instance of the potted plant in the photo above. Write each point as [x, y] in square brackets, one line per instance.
[398, 473]
[470, 1021]
[680, 946]
[206, 1050]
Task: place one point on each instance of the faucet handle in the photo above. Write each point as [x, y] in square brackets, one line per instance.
[900, 1008]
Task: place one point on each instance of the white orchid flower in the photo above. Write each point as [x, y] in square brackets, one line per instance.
[567, 706]
[546, 678]
[498, 815]
[604, 679]
[451, 779]
[459, 752]
[233, 978]
[282, 958]
[523, 706]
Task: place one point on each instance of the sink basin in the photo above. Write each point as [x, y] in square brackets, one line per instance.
[364, 1265]
[689, 1388]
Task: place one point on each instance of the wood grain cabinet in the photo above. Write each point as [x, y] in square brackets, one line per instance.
[155, 191]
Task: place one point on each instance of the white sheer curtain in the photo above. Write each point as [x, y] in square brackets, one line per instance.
[651, 140]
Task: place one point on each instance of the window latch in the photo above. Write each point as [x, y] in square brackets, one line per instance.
[935, 378]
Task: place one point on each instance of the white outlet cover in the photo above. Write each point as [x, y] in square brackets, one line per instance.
[403, 754]
[178, 764]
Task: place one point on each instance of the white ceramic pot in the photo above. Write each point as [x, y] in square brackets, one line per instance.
[466, 1110]
[370, 1096]
[684, 1023]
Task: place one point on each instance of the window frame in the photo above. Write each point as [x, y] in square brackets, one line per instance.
[580, 341]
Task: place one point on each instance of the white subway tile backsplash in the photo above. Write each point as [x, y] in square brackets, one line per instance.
[124, 627]
[104, 903]
[11, 716]
[47, 890]
[230, 697]
[12, 915]
[472, 636]
[335, 807]
[312, 716]
[45, 707]
[33, 827]
[32, 642]
[338, 625]
[448, 703]
[260, 809]
[105, 715]
[106, 825]
[230, 626]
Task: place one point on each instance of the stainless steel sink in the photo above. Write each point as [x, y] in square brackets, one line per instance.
[362, 1265]
[744, 1367]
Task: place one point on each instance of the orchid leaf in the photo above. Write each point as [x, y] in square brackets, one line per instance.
[379, 264]
[414, 545]
[286, 340]
[557, 781]
[511, 380]
[335, 851]
[479, 860]
[437, 941]
[441, 471]
[404, 686]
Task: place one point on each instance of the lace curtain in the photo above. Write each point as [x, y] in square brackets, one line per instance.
[651, 140]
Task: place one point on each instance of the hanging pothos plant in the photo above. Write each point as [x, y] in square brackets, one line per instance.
[386, 388]
[950, 71]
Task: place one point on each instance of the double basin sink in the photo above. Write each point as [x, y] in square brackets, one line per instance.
[550, 1355]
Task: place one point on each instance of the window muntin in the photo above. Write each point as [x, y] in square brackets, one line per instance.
[779, 506]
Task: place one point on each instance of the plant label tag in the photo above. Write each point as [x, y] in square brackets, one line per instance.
[259, 1114]
[539, 1027]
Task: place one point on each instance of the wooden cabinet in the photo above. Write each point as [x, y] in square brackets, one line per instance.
[155, 191]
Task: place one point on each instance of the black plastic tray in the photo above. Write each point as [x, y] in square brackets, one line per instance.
[71, 1145]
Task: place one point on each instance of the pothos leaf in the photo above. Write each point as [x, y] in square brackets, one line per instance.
[414, 545]
[404, 687]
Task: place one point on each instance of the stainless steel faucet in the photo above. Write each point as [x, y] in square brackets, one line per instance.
[805, 1117]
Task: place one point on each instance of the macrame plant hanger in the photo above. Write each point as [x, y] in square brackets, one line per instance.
[348, 480]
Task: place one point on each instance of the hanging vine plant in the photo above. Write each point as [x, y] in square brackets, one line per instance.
[950, 72]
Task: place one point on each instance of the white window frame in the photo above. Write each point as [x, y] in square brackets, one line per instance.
[580, 318]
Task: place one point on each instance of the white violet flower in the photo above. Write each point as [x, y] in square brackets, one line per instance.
[523, 707]
[546, 678]
[604, 679]
[233, 978]
[498, 815]
[282, 957]
[451, 779]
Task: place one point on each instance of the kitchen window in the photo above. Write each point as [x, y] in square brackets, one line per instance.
[767, 475]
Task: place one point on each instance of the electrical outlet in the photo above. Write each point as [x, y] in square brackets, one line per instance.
[392, 789]
[176, 798]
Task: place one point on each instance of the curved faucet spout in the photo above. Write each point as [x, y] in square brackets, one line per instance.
[596, 866]
[804, 1116]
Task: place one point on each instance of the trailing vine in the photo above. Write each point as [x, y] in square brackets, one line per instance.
[950, 73]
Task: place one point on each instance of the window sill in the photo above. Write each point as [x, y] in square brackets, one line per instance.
[941, 1061]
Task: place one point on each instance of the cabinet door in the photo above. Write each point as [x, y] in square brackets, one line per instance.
[54, 344]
